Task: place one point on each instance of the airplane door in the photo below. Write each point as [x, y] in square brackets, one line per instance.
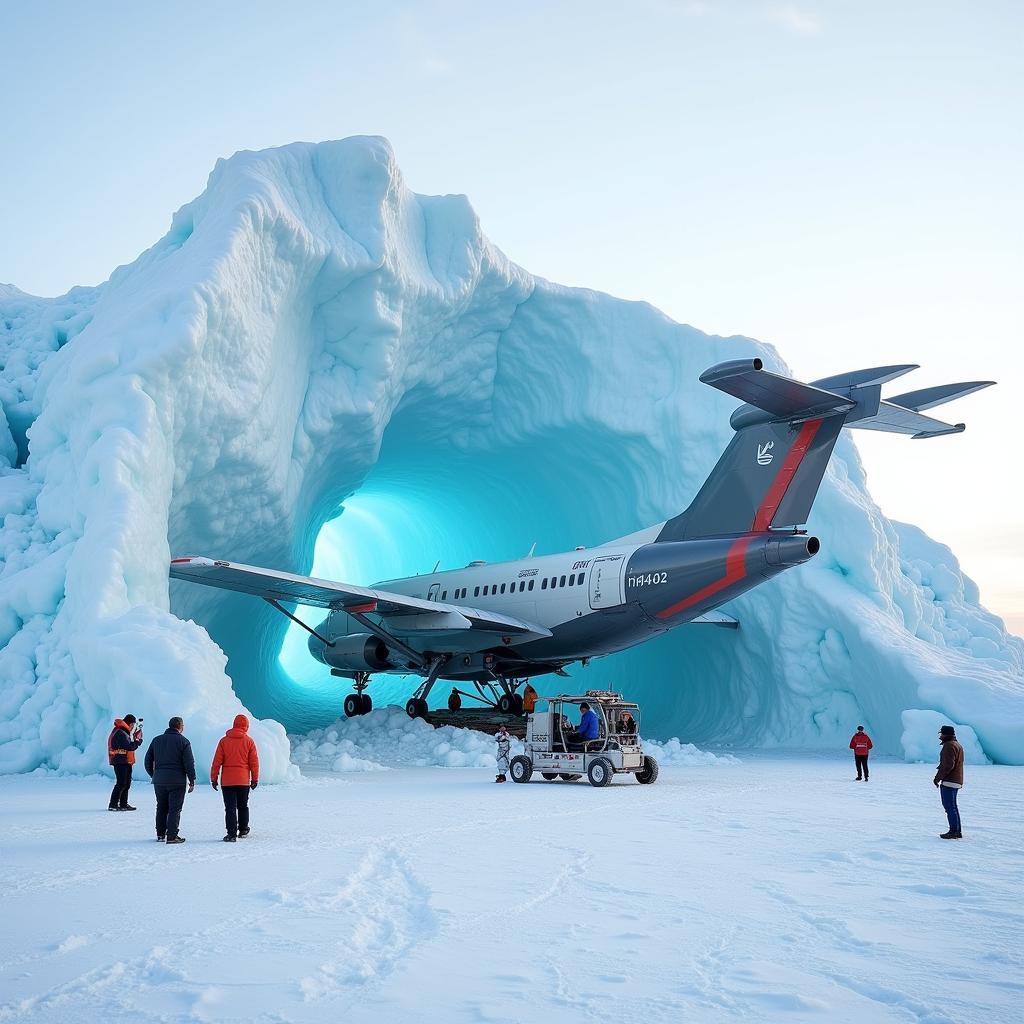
[606, 582]
[433, 592]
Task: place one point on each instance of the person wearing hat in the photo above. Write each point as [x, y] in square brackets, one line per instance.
[124, 739]
[454, 700]
[949, 779]
[860, 744]
[504, 742]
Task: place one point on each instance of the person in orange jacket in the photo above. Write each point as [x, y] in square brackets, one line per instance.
[860, 744]
[529, 699]
[124, 739]
[237, 765]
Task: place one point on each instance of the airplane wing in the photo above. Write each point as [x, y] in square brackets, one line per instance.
[715, 618]
[405, 616]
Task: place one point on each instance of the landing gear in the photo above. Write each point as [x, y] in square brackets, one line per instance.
[510, 703]
[416, 706]
[359, 703]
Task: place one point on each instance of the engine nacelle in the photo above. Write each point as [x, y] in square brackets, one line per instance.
[358, 652]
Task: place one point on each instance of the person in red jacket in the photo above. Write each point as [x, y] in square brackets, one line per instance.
[860, 744]
[236, 766]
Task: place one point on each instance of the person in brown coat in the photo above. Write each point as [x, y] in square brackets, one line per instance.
[949, 778]
[238, 766]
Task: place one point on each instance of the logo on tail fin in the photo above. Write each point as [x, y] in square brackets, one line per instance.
[764, 453]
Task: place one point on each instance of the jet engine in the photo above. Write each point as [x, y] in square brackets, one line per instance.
[358, 652]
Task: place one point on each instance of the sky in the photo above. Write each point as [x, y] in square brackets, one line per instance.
[842, 179]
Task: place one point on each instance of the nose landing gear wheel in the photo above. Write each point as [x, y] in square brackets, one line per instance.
[600, 772]
[358, 704]
[521, 768]
[416, 707]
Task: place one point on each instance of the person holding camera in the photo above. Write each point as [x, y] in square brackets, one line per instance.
[236, 765]
[170, 764]
[124, 739]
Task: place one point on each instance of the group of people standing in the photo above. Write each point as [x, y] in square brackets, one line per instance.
[949, 774]
[171, 766]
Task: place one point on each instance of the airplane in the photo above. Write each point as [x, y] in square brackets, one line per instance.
[495, 625]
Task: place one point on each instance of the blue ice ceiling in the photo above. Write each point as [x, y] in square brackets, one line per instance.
[309, 335]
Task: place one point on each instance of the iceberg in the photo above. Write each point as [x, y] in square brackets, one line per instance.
[317, 364]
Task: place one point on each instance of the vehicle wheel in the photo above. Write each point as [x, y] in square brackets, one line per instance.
[549, 776]
[506, 703]
[416, 707]
[353, 705]
[569, 778]
[517, 703]
[365, 704]
[521, 768]
[600, 771]
[649, 772]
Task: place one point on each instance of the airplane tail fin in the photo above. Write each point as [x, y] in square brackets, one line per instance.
[770, 473]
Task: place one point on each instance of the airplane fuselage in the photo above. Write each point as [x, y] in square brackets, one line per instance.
[594, 601]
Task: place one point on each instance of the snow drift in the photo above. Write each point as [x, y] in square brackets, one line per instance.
[311, 336]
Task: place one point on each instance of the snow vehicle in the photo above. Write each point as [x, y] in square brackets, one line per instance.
[551, 750]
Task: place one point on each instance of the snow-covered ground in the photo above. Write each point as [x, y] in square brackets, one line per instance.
[759, 889]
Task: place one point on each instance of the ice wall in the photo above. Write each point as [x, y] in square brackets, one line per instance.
[310, 333]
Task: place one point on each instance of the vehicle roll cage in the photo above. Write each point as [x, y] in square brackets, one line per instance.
[604, 704]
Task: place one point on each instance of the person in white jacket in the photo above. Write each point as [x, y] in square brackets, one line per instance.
[504, 742]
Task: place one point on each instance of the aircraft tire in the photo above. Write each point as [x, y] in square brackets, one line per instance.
[353, 705]
[416, 707]
[365, 704]
[521, 768]
[569, 778]
[600, 773]
[549, 776]
[648, 773]
[506, 704]
[517, 703]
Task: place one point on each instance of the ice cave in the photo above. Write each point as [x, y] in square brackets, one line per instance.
[316, 360]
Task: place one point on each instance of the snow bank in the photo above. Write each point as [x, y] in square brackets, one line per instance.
[311, 334]
[921, 737]
[675, 753]
[389, 738]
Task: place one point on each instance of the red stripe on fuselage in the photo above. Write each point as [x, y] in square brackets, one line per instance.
[735, 570]
[736, 557]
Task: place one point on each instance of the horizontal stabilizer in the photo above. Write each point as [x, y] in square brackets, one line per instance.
[894, 419]
[865, 378]
[779, 396]
[928, 398]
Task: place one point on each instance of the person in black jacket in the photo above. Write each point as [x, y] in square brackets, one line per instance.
[123, 741]
[170, 765]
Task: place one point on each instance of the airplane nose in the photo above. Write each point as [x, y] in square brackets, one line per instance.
[791, 550]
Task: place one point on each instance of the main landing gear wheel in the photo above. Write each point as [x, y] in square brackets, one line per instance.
[510, 703]
[521, 768]
[416, 707]
[569, 778]
[353, 705]
[549, 776]
[600, 772]
[365, 703]
[649, 772]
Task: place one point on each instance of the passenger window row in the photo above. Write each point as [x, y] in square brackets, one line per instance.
[574, 580]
